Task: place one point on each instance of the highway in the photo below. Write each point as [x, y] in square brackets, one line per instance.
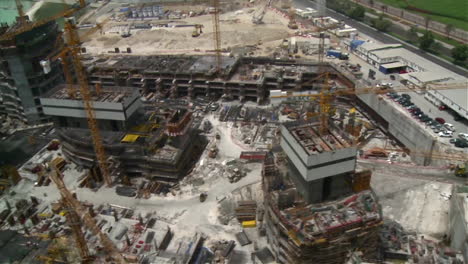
[382, 37]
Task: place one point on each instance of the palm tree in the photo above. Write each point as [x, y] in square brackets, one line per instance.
[448, 30]
[427, 20]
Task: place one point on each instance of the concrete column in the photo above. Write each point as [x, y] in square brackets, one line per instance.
[226, 91]
[144, 86]
[260, 93]
[190, 90]
[207, 88]
[174, 89]
[241, 92]
[158, 86]
[280, 83]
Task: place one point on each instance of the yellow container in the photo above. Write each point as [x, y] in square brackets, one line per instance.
[249, 224]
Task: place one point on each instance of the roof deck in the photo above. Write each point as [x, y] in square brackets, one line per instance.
[312, 142]
[107, 94]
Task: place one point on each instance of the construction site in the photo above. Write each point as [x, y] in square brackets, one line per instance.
[217, 132]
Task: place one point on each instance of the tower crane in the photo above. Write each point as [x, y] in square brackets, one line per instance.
[73, 49]
[26, 25]
[84, 215]
[75, 224]
[64, 54]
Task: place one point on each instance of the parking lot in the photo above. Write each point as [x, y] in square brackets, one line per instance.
[437, 122]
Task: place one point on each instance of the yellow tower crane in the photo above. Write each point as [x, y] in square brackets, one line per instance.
[73, 49]
[217, 34]
[84, 215]
[26, 25]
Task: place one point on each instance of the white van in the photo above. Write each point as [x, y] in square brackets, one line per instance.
[449, 126]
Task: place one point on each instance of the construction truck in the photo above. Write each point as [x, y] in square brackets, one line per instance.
[461, 171]
[197, 30]
[292, 19]
[375, 153]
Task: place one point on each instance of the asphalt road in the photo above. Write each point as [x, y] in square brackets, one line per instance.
[382, 37]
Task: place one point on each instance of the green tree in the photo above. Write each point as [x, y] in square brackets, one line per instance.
[460, 54]
[436, 47]
[412, 34]
[426, 41]
[381, 24]
[357, 13]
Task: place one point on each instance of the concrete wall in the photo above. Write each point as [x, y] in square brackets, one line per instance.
[458, 227]
[403, 128]
[103, 110]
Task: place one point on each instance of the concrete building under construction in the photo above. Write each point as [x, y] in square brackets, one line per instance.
[22, 79]
[245, 79]
[321, 208]
[157, 144]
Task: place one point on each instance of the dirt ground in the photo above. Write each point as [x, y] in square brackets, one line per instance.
[237, 30]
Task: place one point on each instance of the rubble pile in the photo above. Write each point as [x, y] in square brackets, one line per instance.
[222, 249]
[408, 246]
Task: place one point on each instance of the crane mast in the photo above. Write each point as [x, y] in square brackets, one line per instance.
[74, 47]
[84, 215]
[217, 34]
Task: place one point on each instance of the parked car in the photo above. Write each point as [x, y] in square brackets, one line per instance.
[385, 85]
[407, 103]
[430, 122]
[415, 109]
[421, 116]
[407, 96]
[402, 100]
[440, 120]
[443, 107]
[463, 136]
[425, 119]
[461, 143]
[445, 134]
[449, 126]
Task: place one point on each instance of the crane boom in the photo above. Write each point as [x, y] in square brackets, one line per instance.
[84, 215]
[74, 223]
[24, 27]
[217, 34]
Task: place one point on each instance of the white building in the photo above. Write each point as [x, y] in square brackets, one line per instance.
[346, 31]
[456, 99]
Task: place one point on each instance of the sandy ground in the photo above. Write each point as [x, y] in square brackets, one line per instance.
[419, 205]
[237, 30]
